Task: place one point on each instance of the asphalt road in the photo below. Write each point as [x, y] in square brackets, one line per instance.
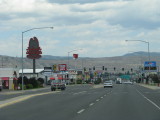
[83, 102]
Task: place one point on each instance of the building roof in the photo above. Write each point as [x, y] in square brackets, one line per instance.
[30, 70]
[7, 72]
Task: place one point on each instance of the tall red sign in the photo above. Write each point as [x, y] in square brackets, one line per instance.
[34, 51]
[75, 56]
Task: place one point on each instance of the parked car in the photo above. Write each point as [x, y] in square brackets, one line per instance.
[58, 84]
[108, 84]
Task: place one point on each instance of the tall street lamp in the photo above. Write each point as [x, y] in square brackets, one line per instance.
[143, 42]
[148, 48]
[22, 48]
[70, 52]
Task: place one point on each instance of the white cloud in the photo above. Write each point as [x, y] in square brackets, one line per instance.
[99, 26]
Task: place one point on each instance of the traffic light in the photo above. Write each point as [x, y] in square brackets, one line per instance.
[94, 68]
[114, 69]
[105, 69]
[102, 67]
[84, 69]
[131, 70]
[122, 69]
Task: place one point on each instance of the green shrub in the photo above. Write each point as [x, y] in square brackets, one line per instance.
[24, 86]
[79, 81]
[34, 82]
[97, 81]
[29, 86]
[41, 80]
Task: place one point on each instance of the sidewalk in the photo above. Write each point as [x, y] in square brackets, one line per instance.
[150, 86]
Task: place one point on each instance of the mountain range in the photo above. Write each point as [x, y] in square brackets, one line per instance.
[130, 60]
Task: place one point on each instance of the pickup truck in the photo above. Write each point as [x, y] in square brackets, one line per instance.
[57, 84]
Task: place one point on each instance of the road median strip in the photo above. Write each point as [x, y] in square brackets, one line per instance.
[21, 98]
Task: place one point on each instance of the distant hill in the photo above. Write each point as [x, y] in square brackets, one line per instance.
[50, 57]
[141, 53]
[127, 61]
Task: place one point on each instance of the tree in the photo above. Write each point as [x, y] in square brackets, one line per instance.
[41, 80]
[155, 79]
[25, 80]
[34, 82]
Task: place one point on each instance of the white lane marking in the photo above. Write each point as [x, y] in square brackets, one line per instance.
[101, 97]
[148, 99]
[79, 92]
[91, 104]
[97, 100]
[79, 112]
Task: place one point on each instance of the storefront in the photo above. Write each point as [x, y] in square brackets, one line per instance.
[8, 78]
[5, 82]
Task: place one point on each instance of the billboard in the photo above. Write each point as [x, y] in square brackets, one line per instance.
[54, 67]
[62, 67]
[150, 65]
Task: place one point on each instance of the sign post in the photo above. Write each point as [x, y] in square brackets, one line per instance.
[34, 51]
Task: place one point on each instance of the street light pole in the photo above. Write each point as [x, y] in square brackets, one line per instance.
[148, 49]
[144, 42]
[22, 49]
[68, 55]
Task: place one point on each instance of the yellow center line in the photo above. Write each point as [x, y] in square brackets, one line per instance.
[23, 98]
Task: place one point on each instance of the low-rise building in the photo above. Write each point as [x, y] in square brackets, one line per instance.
[29, 73]
[8, 77]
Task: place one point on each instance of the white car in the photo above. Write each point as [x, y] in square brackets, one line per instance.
[128, 82]
[108, 84]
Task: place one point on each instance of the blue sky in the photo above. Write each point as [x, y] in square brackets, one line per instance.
[98, 27]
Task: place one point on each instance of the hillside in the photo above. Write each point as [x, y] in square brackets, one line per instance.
[128, 61]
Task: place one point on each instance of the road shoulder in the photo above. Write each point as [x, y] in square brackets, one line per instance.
[150, 86]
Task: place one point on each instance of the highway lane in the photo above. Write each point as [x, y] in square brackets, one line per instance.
[125, 102]
[59, 106]
[82, 102]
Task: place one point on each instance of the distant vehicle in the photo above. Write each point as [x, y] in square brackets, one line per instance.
[58, 84]
[128, 82]
[119, 81]
[108, 84]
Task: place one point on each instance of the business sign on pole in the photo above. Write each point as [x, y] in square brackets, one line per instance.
[34, 51]
[150, 65]
[55, 67]
[62, 67]
[75, 56]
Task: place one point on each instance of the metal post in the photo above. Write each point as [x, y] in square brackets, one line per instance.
[22, 49]
[68, 60]
[22, 61]
[34, 66]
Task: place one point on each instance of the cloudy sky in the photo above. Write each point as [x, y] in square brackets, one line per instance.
[98, 27]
